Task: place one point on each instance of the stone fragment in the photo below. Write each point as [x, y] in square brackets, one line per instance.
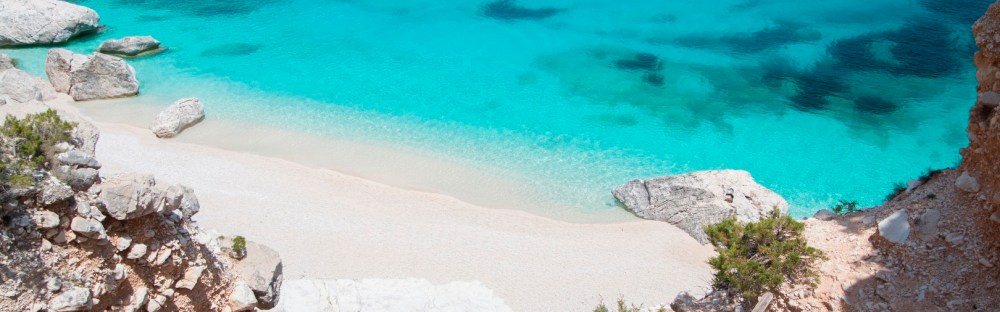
[156, 304]
[967, 183]
[927, 224]
[261, 269]
[76, 299]
[989, 99]
[191, 276]
[89, 228]
[78, 158]
[123, 242]
[45, 219]
[242, 298]
[129, 46]
[138, 250]
[895, 228]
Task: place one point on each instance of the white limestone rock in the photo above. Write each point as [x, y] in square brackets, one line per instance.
[130, 46]
[261, 269]
[242, 298]
[967, 183]
[694, 200]
[178, 116]
[895, 228]
[45, 219]
[33, 22]
[191, 276]
[19, 86]
[89, 228]
[103, 76]
[76, 299]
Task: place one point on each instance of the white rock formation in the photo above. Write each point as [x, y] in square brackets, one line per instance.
[19, 86]
[129, 46]
[29, 22]
[262, 271]
[102, 76]
[895, 228]
[178, 116]
[694, 200]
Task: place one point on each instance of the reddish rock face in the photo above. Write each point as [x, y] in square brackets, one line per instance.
[982, 158]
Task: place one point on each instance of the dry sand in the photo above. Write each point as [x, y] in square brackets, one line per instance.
[329, 225]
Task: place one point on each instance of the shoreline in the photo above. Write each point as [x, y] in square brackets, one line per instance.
[396, 166]
[331, 225]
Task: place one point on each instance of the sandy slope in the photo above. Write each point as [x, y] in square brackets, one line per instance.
[329, 225]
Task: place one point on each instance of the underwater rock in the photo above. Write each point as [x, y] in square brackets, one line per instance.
[640, 61]
[509, 10]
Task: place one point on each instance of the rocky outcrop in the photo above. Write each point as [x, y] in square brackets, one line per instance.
[103, 77]
[694, 200]
[32, 22]
[18, 86]
[130, 46]
[90, 77]
[981, 159]
[177, 117]
[129, 196]
[387, 295]
[261, 269]
[6, 62]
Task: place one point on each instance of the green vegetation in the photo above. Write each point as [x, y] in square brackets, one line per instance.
[623, 307]
[845, 207]
[758, 257]
[239, 245]
[27, 146]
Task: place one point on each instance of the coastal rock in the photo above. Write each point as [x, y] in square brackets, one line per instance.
[88, 228]
[694, 200]
[191, 276]
[78, 179]
[55, 192]
[45, 219]
[59, 65]
[261, 269]
[927, 224]
[387, 295]
[76, 299]
[138, 250]
[967, 183]
[129, 46]
[86, 136]
[29, 22]
[895, 228]
[189, 202]
[19, 86]
[78, 158]
[103, 76]
[177, 117]
[129, 196]
[6, 62]
[242, 298]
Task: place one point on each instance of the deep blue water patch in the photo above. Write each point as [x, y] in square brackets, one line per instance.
[232, 49]
[509, 10]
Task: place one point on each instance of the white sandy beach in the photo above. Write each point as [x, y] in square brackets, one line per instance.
[329, 225]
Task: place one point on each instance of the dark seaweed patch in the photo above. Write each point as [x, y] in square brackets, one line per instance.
[202, 8]
[640, 61]
[772, 37]
[654, 79]
[508, 10]
[232, 49]
[962, 11]
[874, 105]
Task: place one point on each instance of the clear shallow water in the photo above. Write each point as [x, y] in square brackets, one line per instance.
[819, 101]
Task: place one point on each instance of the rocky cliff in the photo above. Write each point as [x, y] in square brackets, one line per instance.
[982, 158]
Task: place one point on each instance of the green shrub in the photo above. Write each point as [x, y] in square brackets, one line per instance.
[27, 145]
[239, 245]
[844, 206]
[758, 257]
[623, 307]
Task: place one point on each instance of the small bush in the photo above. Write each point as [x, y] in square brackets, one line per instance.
[623, 307]
[27, 145]
[758, 257]
[844, 206]
[239, 245]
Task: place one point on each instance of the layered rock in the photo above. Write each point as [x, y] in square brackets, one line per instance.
[692, 201]
[90, 77]
[130, 195]
[32, 22]
[6, 62]
[130, 46]
[981, 159]
[178, 116]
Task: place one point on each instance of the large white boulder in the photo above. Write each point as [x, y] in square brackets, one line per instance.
[129, 46]
[29, 22]
[58, 66]
[19, 86]
[262, 271]
[103, 76]
[692, 201]
[177, 117]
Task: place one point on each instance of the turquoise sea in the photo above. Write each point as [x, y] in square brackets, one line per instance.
[819, 100]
